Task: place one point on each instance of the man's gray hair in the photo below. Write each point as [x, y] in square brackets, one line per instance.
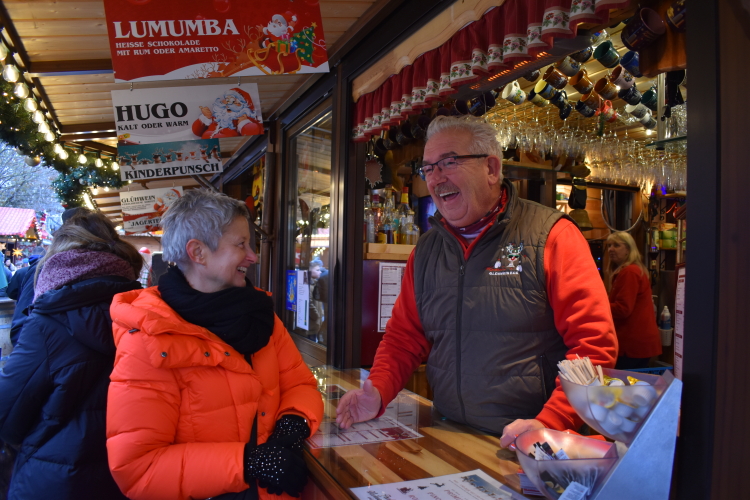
[484, 135]
[202, 215]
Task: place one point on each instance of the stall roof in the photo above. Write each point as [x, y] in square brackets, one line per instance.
[16, 221]
[64, 46]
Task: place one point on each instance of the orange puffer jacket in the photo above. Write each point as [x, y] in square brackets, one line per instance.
[182, 402]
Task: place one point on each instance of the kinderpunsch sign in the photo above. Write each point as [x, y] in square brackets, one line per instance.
[174, 39]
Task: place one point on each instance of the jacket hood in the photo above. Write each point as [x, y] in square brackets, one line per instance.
[85, 306]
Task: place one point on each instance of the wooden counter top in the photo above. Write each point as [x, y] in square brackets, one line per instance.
[446, 448]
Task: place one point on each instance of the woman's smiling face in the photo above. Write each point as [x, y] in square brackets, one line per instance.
[226, 266]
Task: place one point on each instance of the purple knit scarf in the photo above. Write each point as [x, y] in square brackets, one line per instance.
[73, 266]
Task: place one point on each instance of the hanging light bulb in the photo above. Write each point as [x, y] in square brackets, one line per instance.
[57, 148]
[11, 73]
[37, 116]
[648, 131]
[21, 90]
[3, 51]
[94, 190]
[115, 166]
[82, 158]
[30, 104]
[98, 162]
[106, 189]
[63, 155]
[49, 137]
[43, 128]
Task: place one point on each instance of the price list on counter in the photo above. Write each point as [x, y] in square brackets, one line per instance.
[389, 286]
[679, 322]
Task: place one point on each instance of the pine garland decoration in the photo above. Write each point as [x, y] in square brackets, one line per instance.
[19, 130]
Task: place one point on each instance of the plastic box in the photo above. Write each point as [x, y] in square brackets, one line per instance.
[589, 460]
[616, 412]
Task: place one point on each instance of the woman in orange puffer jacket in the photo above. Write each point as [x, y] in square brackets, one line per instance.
[209, 397]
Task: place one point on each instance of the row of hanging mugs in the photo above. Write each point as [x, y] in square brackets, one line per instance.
[595, 97]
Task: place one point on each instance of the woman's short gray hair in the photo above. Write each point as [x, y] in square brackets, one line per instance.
[484, 135]
[202, 215]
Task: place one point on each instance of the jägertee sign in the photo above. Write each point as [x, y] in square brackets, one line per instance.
[174, 39]
[142, 210]
[169, 159]
[144, 116]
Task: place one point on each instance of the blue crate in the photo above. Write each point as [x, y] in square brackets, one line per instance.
[656, 370]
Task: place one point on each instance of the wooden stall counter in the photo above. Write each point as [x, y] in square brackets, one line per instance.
[444, 447]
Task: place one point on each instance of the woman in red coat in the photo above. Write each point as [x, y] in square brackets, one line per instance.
[629, 288]
[209, 397]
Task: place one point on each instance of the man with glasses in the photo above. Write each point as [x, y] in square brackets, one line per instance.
[496, 294]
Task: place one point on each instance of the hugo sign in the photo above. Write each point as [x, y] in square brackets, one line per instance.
[147, 116]
[174, 39]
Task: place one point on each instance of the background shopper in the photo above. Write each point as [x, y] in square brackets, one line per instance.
[53, 389]
[629, 289]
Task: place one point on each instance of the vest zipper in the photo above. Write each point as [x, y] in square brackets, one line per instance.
[458, 340]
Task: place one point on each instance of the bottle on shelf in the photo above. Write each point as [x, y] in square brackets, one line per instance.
[409, 232]
[377, 211]
[665, 319]
[385, 233]
[369, 222]
[403, 208]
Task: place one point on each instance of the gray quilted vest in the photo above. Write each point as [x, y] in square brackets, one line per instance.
[495, 347]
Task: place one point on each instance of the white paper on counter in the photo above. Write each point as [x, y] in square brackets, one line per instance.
[679, 322]
[471, 485]
[378, 430]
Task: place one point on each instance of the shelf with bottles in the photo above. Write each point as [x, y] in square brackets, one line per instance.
[382, 251]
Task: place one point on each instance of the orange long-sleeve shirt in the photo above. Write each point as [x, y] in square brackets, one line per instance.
[576, 295]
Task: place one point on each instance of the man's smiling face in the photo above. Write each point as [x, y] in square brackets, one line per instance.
[465, 194]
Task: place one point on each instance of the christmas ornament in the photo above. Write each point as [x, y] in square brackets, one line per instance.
[32, 161]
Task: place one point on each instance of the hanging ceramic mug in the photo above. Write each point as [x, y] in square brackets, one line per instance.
[630, 95]
[650, 100]
[605, 88]
[584, 110]
[537, 100]
[555, 77]
[459, 108]
[568, 66]
[638, 111]
[560, 99]
[598, 38]
[532, 75]
[643, 29]
[677, 15]
[606, 54]
[648, 122]
[481, 104]
[513, 93]
[544, 89]
[583, 55]
[622, 78]
[609, 112]
[631, 62]
[565, 111]
[581, 82]
[592, 100]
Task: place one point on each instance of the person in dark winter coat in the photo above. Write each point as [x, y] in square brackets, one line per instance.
[53, 389]
[21, 289]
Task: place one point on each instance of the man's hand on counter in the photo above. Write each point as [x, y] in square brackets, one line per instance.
[358, 405]
[517, 427]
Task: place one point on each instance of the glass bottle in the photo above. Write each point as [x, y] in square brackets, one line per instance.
[410, 231]
[369, 222]
[385, 234]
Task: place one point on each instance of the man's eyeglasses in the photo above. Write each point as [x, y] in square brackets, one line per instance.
[447, 163]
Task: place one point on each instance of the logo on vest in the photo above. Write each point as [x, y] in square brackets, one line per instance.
[509, 261]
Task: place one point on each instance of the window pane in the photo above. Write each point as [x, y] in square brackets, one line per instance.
[308, 256]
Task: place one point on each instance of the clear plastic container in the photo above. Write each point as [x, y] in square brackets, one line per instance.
[616, 412]
[589, 461]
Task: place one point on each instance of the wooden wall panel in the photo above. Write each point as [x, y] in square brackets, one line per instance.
[732, 410]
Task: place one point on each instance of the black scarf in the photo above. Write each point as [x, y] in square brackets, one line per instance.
[241, 316]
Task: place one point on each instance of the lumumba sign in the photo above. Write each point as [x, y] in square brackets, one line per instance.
[169, 159]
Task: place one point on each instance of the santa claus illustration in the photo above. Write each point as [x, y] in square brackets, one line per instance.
[278, 28]
[231, 115]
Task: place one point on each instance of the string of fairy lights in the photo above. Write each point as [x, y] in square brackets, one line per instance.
[26, 123]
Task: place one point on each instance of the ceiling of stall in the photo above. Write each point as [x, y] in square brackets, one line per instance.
[65, 48]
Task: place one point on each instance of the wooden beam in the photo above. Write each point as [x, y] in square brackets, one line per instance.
[93, 145]
[92, 135]
[74, 67]
[88, 127]
[12, 34]
[45, 99]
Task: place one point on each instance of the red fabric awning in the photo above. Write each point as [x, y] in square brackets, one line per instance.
[16, 221]
[504, 37]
